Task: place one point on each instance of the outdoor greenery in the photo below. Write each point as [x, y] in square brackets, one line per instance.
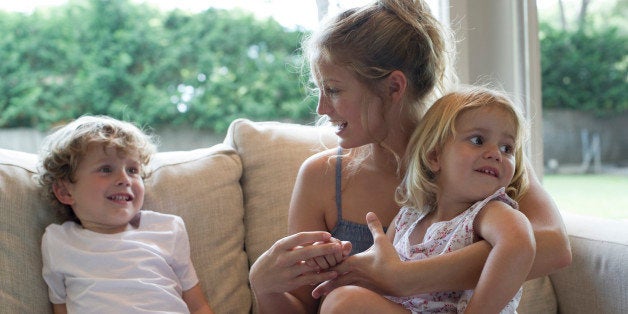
[203, 70]
[136, 63]
[584, 56]
[585, 69]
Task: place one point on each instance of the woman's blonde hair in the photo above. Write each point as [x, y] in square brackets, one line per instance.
[388, 35]
[418, 189]
[63, 150]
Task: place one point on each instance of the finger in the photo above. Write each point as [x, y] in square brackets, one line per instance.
[309, 252]
[321, 261]
[346, 248]
[346, 265]
[311, 263]
[339, 255]
[374, 225]
[301, 268]
[321, 289]
[333, 259]
[302, 238]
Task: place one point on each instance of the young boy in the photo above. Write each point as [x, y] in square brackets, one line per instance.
[111, 257]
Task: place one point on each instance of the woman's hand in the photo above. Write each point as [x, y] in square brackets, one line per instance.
[370, 269]
[282, 268]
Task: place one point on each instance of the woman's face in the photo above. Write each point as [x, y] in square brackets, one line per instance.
[355, 111]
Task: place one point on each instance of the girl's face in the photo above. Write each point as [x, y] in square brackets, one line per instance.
[480, 158]
[108, 191]
[343, 99]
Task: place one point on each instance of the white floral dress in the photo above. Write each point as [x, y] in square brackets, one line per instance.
[440, 238]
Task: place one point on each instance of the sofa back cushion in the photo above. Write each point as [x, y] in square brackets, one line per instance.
[201, 186]
[271, 153]
[597, 279]
[23, 217]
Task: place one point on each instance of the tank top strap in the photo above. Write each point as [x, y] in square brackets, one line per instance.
[339, 183]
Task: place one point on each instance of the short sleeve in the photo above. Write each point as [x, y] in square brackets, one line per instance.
[181, 260]
[54, 279]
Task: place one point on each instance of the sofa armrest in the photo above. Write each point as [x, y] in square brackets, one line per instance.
[596, 280]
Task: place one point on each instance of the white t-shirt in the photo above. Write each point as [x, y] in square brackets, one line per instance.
[135, 271]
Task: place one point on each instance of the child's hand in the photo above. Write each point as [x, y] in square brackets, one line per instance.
[326, 261]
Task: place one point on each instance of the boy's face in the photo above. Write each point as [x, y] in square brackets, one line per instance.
[108, 191]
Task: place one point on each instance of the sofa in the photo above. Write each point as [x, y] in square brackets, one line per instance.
[234, 198]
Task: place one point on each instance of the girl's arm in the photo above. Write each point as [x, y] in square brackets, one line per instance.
[195, 300]
[380, 269]
[508, 264]
[458, 270]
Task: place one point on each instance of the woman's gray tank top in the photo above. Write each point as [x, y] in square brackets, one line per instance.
[358, 234]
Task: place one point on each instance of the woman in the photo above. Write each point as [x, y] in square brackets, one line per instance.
[378, 68]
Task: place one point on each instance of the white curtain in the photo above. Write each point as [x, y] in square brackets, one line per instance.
[498, 44]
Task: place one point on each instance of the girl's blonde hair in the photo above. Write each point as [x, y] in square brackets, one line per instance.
[388, 35]
[418, 189]
[63, 150]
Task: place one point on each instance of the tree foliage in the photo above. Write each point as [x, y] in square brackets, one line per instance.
[585, 67]
[136, 63]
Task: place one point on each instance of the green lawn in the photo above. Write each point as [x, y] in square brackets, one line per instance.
[602, 195]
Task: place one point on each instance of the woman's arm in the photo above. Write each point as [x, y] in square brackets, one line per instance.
[380, 269]
[510, 234]
[553, 251]
[458, 270]
[281, 278]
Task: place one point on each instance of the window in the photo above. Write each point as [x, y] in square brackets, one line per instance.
[499, 43]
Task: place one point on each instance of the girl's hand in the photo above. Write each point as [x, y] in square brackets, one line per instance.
[371, 269]
[327, 261]
[283, 268]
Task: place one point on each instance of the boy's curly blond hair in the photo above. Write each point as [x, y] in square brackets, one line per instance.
[63, 150]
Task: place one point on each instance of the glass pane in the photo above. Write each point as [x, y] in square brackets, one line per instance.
[585, 105]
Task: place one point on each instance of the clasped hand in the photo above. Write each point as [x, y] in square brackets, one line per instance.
[316, 258]
[371, 269]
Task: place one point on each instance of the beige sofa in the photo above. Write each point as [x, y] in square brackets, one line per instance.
[234, 198]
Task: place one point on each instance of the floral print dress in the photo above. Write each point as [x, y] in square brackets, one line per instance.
[440, 238]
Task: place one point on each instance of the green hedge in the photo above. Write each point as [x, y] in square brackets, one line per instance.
[585, 69]
[136, 63]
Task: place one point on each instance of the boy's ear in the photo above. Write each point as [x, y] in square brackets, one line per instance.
[433, 161]
[397, 84]
[62, 193]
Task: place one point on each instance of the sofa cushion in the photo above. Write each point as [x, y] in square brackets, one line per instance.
[202, 186]
[24, 216]
[272, 154]
[595, 282]
[538, 297]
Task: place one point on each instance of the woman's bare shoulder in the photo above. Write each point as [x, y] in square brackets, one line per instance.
[321, 161]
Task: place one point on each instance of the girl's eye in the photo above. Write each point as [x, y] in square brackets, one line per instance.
[506, 149]
[477, 140]
[105, 169]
